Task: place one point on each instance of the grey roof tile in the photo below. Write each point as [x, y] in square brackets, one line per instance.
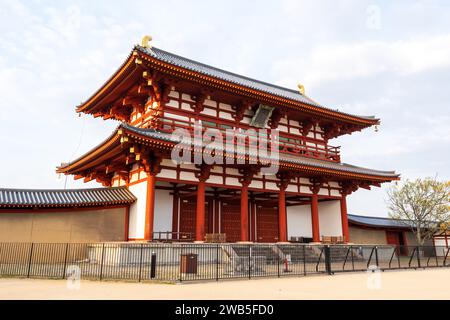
[205, 69]
[64, 198]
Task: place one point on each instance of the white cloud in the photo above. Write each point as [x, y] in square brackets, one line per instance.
[366, 59]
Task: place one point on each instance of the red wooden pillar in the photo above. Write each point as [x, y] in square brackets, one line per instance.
[315, 217]
[244, 212]
[200, 213]
[344, 219]
[253, 219]
[282, 219]
[175, 215]
[150, 207]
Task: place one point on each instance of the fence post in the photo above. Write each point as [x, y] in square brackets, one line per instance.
[418, 257]
[304, 259]
[153, 266]
[217, 262]
[101, 263]
[179, 269]
[376, 257]
[249, 261]
[435, 255]
[65, 261]
[140, 262]
[327, 252]
[30, 259]
[445, 258]
[278, 260]
[353, 258]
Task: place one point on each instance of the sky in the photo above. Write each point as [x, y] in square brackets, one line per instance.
[390, 59]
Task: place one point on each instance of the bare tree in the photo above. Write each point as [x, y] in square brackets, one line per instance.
[425, 202]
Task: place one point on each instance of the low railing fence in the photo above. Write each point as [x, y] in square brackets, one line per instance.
[187, 261]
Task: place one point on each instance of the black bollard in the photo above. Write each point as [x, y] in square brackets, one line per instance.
[153, 266]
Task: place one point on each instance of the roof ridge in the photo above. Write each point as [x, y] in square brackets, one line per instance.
[63, 190]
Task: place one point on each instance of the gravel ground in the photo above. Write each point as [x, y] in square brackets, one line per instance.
[408, 284]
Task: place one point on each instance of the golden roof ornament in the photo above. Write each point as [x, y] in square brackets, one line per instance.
[145, 42]
[301, 89]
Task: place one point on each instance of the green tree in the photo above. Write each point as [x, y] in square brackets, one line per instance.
[425, 202]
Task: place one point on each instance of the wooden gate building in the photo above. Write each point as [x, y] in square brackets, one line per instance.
[155, 94]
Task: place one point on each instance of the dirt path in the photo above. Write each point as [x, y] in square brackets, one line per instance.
[422, 284]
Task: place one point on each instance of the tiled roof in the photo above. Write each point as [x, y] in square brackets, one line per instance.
[379, 221]
[300, 160]
[205, 69]
[64, 198]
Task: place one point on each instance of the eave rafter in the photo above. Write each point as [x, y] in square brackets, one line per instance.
[276, 116]
[240, 108]
[160, 85]
[200, 98]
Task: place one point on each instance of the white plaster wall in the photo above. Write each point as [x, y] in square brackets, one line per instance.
[174, 94]
[136, 227]
[330, 218]
[209, 112]
[271, 186]
[215, 179]
[335, 193]
[167, 173]
[175, 116]
[163, 210]
[188, 176]
[299, 221]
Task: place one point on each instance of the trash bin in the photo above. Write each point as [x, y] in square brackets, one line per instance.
[189, 263]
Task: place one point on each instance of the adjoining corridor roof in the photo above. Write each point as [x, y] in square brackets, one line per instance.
[26, 198]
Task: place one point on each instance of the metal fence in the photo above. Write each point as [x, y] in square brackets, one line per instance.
[186, 262]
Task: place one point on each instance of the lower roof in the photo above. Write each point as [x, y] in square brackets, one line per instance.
[300, 162]
[54, 198]
[379, 222]
[288, 158]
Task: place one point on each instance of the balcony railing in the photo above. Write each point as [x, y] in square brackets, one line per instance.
[286, 145]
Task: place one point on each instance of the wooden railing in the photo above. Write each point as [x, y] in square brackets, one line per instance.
[299, 147]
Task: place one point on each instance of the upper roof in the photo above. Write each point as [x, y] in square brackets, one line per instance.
[299, 161]
[384, 222]
[195, 71]
[233, 77]
[35, 198]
